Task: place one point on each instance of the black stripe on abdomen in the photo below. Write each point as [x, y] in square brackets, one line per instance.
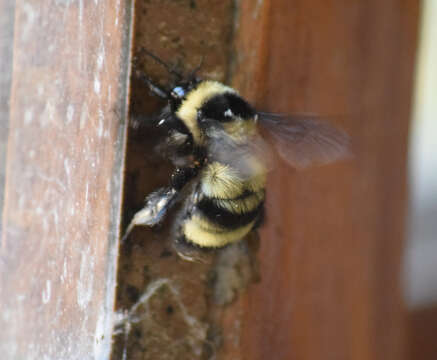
[224, 217]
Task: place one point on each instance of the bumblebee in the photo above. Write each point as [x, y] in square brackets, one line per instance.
[222, 160]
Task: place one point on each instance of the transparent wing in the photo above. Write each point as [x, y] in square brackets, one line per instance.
[247, 154]
[303, 140]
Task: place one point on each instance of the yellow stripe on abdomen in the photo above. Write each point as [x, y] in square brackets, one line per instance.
[198, 235]
[243, 205]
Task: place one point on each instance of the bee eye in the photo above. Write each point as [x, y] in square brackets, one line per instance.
[178, 92]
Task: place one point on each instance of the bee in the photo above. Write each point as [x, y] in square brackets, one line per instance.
[221, 160]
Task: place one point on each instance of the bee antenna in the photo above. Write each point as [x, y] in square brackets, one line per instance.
[154, 88]
[163, 63]
[197, 68]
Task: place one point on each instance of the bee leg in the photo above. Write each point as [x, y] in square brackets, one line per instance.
[160, 201]
[136, 121]
[181, 176]
[154, 88]
[157, 205]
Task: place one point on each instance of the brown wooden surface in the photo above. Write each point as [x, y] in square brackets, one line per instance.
[62, 192]
[331, 251]
[422, 329]
[168, 298]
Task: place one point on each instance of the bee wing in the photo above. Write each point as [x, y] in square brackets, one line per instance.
[303, 140]
[248, 156]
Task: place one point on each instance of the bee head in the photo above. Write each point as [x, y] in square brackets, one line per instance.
[201, 106]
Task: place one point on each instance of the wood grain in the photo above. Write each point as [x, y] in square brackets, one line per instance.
[7, 8]
[64, 170]
[331, 251]
[422, 327]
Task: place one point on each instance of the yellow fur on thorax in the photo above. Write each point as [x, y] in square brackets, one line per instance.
[187, 112]
[223, 182]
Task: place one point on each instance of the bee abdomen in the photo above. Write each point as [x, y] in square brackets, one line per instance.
[218, 222]
[198, 234]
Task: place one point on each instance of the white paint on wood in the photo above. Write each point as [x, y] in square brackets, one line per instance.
[83, 116]
[86, 279]
[70, 113]
[97, 85]
[28, 116]
[47, 292]
[100, 56]
[31, 15]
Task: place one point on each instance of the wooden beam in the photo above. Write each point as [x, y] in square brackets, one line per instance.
[332, 248]
[63, 185]
[422, 327]
[6, 45]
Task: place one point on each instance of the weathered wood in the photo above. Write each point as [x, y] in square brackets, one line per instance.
[6, 44]
[422, 327]
[64, 167]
